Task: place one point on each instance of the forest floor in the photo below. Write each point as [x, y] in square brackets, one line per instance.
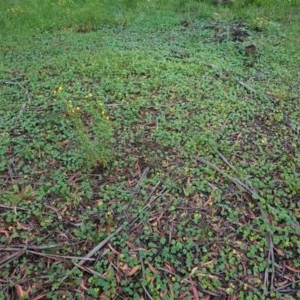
[159, 160]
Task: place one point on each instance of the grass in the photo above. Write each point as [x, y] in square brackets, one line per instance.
[149, 150]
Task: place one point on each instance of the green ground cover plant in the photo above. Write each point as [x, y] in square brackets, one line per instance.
[149, 150]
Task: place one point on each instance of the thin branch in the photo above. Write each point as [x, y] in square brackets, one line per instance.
[226, 161]
[12, 257]
[13, 208]
[247, 87]
[147, 293]
[137, 188]
[31, 247]
[61, 256]
[109, 237]
[284, 286]
[253, 193]
[187, 281]
[89, 270]
[8, 82]
[269, 285]
[100, 245]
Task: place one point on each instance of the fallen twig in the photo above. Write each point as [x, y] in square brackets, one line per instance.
[187, 281]
[100, 245]
[60, 256]
[271, 260]
[254, 194]
[8, 82]
[226, 161]
[247, 87]
[108, 238]
[12, 257]
[30, 247]
[137, 188]
[286, 120]
[89, 270]
[283, 287]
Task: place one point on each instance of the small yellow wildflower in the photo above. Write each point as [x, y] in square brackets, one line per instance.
[89, 95]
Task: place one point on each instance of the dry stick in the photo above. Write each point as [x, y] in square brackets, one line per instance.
[26, 92]
[271, 257]
[287, 121]
[147, 293]
[233, 179]
[21, 249]
[106, 240]
[162, 193]
[187, 281]
[137, 188]
[16, 208]
[144, 276]
[60, 256]
[92, 252]
[13, 208]
[253, 193]
[90, 270]
[100, 245]
[236, 181]
[30, 247]
[284, 286]
[226, 161]
[12, 257]
[247, 87]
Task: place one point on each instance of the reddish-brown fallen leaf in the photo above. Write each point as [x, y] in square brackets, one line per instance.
[19, 291]
[24, 226]
[153, 269]
[112, 249]
[195, 292]
[74, 178]
[134, 270]
[118, 278]
[123, 267]
[279, 252]
[137, 169]
[292, 269]
[169, 267]
[41, 296]
[2, 230]
[82, 285]
[130, 245]
[171, 291]
[210, 199]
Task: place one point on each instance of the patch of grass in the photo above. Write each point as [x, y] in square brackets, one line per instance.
[151, 151]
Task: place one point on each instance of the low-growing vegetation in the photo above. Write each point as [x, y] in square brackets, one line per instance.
[149, 149]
